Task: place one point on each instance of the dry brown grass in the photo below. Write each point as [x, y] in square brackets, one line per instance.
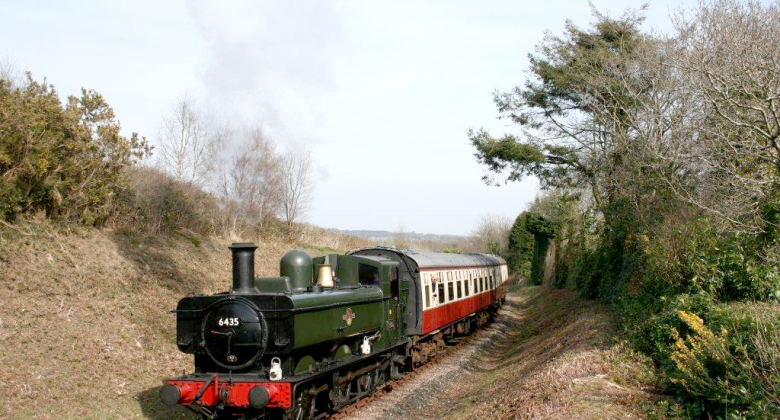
[85, 318]
[552, 357]
[319, 240]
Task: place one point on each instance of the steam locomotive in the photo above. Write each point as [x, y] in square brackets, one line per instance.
[328, 331]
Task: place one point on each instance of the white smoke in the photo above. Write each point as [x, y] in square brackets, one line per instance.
[269, 62]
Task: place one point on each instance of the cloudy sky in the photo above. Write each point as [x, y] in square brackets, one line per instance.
[381, 92]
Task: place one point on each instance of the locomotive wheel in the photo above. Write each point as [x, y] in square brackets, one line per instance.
[365, 384]
[340, 393]
[381, 376]
[305, 406]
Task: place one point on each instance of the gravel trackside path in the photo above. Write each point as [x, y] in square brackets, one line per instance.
[548, 355]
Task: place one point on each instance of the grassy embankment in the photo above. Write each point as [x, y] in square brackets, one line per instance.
[554, 356]
[85, 320]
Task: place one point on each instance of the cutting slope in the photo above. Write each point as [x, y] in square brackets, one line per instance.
[85, 318]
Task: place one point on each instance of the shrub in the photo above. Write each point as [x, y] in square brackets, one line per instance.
[721, 359]
[156, 203]
[734, 364]
[692, 256]
[64, 161]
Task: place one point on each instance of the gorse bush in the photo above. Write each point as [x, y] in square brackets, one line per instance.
[69, 163]
[63, 160]
[731, 365]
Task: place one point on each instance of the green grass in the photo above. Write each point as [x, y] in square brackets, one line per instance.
[319, 251]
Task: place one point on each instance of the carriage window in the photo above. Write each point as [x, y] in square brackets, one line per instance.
[427, 296]
[476, 289]
[466, 287]
[441, 292]
[450, 294]
[460, 290]
[481, 284]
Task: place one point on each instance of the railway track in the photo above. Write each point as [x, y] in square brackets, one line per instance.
[389, 386]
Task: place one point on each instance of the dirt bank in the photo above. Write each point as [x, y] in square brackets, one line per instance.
[86, 330]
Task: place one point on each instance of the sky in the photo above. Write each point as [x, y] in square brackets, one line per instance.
[381, 92]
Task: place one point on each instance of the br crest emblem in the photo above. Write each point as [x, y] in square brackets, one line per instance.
[349, 316]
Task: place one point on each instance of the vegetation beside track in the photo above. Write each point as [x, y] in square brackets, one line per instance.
[659, 157]
[549, 355]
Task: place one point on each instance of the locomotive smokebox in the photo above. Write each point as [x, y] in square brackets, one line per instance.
[243, 267]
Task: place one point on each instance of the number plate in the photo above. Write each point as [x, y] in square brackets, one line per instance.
[229, 322]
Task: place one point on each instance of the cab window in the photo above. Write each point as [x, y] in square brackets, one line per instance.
[368, 275]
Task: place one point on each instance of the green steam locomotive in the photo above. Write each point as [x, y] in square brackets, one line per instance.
[327, 332]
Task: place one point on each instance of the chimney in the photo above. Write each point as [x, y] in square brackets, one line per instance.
[243, 267]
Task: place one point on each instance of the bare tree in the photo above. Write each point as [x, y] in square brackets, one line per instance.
[492, 233]
[9, 72]
[400, 237]
[252, 185]
[731, 59]
[297, 187]
[187, 145]
[707, 117]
